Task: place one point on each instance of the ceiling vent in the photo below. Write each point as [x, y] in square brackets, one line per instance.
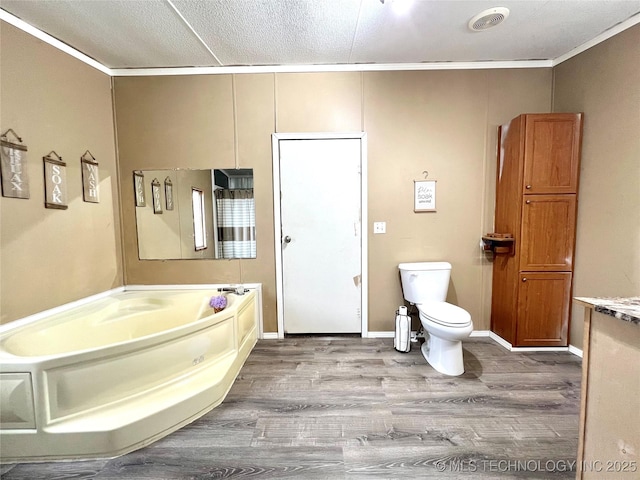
[488, 18]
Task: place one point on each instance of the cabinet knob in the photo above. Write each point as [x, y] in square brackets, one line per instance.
[524, 279]
[528, 187]
[528, 202]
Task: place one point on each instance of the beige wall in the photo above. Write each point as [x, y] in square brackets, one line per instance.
[443, 122]
[54, 102]
[218, 121]
[604, 83]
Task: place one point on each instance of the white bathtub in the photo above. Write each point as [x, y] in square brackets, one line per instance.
[118, 373]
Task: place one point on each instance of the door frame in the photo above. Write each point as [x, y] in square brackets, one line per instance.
[364, 231]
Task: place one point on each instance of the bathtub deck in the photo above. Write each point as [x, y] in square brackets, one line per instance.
[333, 407]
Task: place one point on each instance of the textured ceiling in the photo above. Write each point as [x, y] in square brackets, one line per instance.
[214, 33]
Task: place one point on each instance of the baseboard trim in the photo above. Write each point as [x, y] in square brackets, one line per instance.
[382, 334]
[501, 341]
[575, 350]
[480, 333]
[474, 334]
[539, 349]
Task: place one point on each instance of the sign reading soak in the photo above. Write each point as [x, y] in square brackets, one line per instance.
[424, 196]
[55, 182]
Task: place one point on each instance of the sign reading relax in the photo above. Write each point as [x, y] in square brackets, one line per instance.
[15, 182]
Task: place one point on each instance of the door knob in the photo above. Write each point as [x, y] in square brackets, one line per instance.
[287, 239]
[524, 279]
[528, 187]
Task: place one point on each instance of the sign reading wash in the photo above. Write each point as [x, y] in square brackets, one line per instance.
[90, 178]
[55, 182]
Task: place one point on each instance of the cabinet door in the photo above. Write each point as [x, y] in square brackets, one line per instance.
[552, 153]
[548, 233]
[543, 309]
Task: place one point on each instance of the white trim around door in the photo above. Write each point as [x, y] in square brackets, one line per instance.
[275, 143]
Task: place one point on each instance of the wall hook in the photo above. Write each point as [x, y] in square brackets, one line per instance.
[4, 135]
[87, 153]
[52, 155]
[425, 173]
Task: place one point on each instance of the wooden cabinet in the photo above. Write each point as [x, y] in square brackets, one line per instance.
[548, 233]
[543, 305]
[551, 153]
[536, 202]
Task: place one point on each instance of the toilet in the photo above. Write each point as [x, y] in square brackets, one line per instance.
[425, 285]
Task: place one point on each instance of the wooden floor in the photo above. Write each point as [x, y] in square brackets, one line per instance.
[336, 407]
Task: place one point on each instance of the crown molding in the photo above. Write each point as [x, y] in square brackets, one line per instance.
[54, 42]
[368, 67]
[622, 26]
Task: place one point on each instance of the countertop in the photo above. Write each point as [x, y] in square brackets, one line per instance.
[624, 308]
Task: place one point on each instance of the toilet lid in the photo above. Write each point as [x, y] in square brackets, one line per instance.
[445, 314]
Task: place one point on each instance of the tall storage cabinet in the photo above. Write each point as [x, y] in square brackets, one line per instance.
[536, 205]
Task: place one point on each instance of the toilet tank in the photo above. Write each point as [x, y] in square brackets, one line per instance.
[425, 281]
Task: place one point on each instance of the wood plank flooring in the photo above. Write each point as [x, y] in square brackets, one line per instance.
[348, 408]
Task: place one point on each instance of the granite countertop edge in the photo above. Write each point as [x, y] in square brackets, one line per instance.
[623, 308]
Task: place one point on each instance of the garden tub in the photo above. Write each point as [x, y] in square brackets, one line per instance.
[117, 373]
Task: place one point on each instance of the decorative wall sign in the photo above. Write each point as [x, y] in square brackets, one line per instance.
[90, 178]
[155, 194]
[424, 196]
[138, 188]
[55, 181]
[13, 163]
[168, 193]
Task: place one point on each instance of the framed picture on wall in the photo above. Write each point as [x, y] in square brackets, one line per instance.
[424, 196]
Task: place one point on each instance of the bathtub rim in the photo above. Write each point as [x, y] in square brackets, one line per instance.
[25, 321]
[128, 436]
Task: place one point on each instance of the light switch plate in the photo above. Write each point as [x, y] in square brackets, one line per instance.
[379, 227]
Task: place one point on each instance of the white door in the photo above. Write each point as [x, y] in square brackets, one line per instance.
[321, 235]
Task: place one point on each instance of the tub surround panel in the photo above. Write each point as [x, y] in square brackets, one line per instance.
[17, 401]
[169, 360]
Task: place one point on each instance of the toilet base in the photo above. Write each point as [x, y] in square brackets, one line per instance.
[443, 355]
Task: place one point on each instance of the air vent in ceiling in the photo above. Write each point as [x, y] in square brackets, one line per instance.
[488, 19]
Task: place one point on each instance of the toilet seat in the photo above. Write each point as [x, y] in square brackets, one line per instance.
[445, 314]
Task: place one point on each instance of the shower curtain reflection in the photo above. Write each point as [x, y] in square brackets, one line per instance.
[236, 219]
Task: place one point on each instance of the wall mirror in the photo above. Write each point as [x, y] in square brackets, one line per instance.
[195, 214]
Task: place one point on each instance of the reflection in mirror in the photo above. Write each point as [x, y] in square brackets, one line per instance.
[212, 215]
